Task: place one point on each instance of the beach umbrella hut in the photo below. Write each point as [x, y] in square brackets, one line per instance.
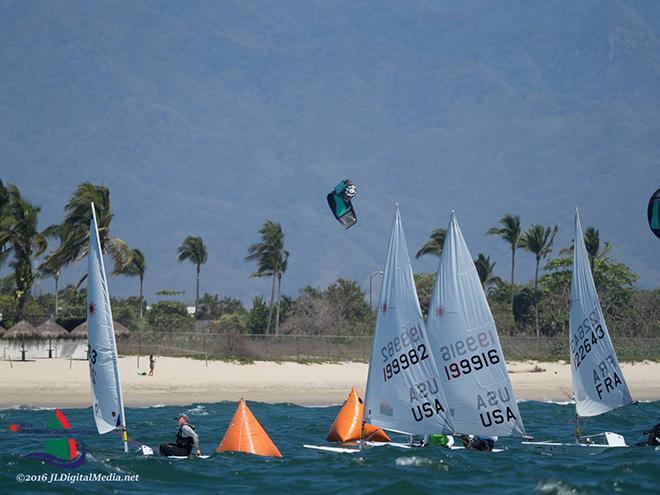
[80, 333]
[20, 333]
[49, 330]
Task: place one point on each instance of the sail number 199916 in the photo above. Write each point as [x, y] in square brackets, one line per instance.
[403, 351]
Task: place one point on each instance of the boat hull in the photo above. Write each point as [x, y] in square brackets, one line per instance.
[583, 448]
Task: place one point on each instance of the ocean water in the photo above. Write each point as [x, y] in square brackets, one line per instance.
[378, 470]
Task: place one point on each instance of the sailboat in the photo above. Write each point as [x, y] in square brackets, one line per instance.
[107, 399]
[403, 393]
[598, 382]
[467, 351]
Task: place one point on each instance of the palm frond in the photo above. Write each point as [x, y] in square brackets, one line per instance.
[510, 230]
[120, 253]
[434, 245]
[193, 249]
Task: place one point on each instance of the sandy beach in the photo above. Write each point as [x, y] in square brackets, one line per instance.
[180, 381]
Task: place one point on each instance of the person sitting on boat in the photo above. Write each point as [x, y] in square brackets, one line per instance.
[652, 437]
[186, 440]
[442, 440]
[473, 442]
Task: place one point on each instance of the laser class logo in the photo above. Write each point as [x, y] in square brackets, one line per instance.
[60, 452]
[654, 213]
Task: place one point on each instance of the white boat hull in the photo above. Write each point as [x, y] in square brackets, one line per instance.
[180, 457]
[396, 445]
[610, 441]
[585, 448]
[353, 450]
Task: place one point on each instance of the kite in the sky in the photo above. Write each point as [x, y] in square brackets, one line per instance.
[339, 201]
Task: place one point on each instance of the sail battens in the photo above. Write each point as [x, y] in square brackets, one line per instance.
[598, 382]
[403, 391]
[466, 346]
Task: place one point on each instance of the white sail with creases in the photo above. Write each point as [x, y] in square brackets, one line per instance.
[403, 391]
[466, 346]
[598, 382]
[107, 402]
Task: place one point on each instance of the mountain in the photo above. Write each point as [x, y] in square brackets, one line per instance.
[207, 118]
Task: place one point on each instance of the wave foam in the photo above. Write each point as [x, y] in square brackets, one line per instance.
[556, 487]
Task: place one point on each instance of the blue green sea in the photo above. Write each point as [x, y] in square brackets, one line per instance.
[380, 470]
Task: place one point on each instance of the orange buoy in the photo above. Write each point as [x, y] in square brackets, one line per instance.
[347, 426]
[245, 434]
[374, 434]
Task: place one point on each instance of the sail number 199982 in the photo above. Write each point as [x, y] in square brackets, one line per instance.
[403, 351]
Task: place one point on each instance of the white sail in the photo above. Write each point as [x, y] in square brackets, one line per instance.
[598, 382]
[107, 403]
[403, 387]
[466, 347]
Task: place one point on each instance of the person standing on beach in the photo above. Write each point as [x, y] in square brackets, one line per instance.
[186, 440]
[152, 364]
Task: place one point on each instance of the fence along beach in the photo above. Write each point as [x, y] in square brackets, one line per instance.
[178, 381]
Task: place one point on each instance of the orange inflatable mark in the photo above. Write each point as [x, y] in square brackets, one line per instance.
[348, 423]
[245, 434]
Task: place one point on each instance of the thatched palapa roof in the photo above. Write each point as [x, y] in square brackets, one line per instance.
[49, 329]
[22, 330]
[80, 332]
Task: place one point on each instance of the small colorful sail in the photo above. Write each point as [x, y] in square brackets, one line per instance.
[245, 434]
[466, 346]
[598, 382]
[107, 401]
[404, 392]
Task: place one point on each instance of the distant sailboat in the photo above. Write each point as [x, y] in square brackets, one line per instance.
[404, 392]
[107, 400]
[598, 382]
[466, 347]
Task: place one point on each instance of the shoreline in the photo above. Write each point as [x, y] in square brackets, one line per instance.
[49, 383]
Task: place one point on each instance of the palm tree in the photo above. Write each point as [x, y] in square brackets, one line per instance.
[283, 265]
[19, 231]
[137, 268]
[75, 229]
[538, 240]
[54, 273]
[193, 249]
[4, 203]
[434, 245]
[272, 261]
[53, 269]
[511, 233]
[591, 238]
[485, 270]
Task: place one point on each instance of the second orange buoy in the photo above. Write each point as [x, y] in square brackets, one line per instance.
[347, 426]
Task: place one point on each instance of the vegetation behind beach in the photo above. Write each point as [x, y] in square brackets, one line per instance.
[534, 308]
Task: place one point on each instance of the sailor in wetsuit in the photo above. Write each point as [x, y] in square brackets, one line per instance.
[473, 442]
[652, 437]
[186, 439]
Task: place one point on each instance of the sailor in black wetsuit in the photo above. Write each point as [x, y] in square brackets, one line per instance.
[473, 442]
[652, 437]
[186, 440]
